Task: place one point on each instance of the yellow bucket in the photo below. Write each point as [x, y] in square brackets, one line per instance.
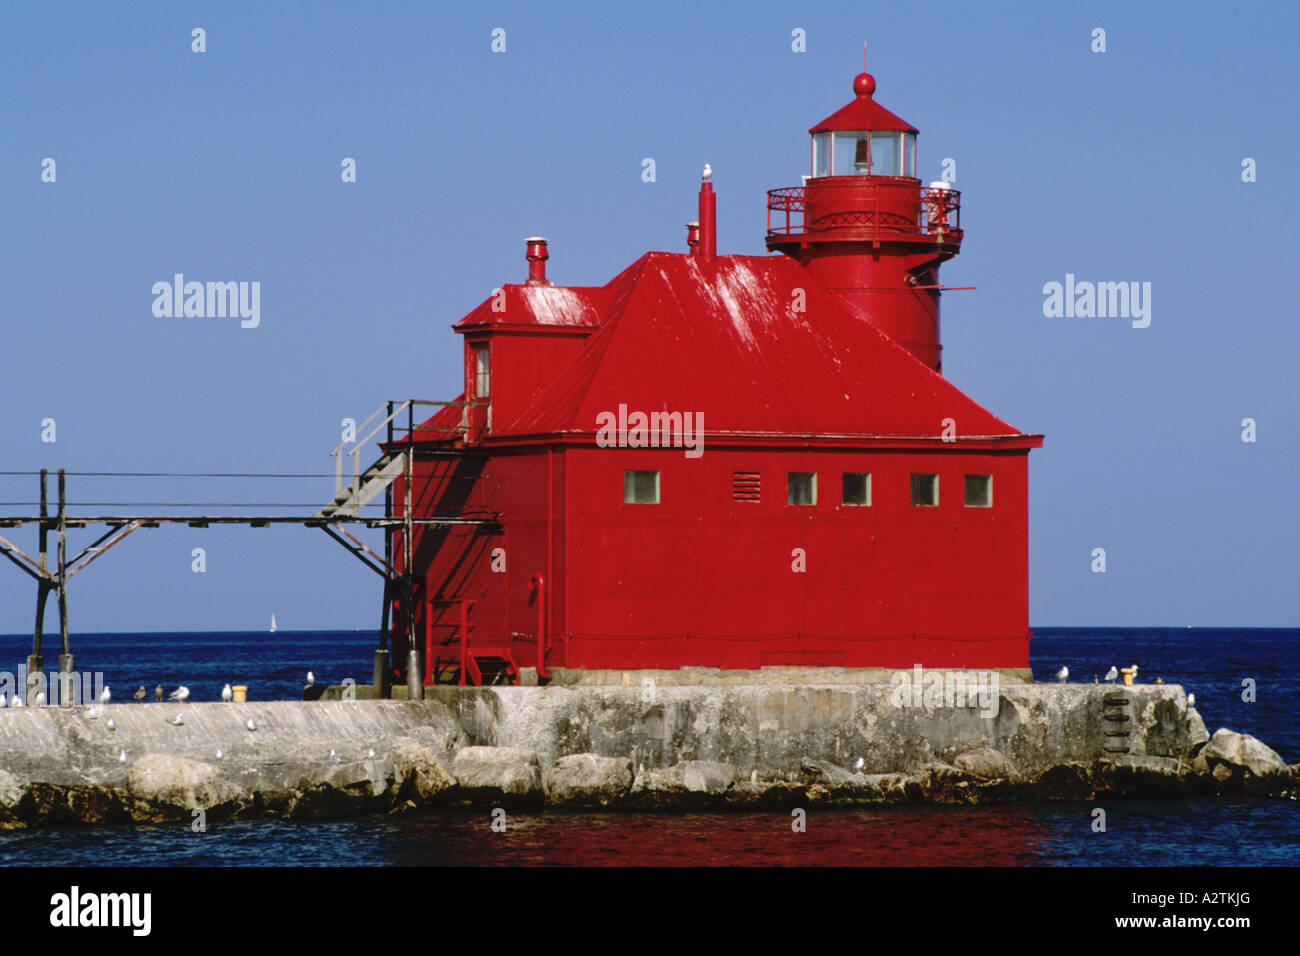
[1129, 673]
[239, 693]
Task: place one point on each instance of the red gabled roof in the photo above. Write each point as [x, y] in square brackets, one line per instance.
[537, 305]
[720, 339]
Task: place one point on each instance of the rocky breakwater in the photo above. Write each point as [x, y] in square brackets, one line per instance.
[747, 746]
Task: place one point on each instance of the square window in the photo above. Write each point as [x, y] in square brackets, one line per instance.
[979, 491]
[857, 488]
[925, 490]
[802, 488]
[640, 487]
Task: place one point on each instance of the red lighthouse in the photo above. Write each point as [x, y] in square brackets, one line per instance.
[720, 461]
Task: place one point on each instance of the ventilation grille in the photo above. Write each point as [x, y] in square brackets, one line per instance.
[745, 486]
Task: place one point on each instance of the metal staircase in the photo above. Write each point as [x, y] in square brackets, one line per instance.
[365, 487]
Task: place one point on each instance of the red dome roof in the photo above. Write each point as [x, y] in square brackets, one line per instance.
[863, 112]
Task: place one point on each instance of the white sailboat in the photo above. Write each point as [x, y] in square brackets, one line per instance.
[273, 623]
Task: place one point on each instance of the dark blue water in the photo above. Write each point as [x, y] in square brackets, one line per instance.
[1212, 663]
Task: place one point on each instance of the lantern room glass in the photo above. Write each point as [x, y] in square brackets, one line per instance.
[821, 165]
[864, 153]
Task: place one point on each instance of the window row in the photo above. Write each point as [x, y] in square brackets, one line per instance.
[642, 487]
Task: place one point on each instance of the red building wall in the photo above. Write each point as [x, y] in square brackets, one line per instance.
[704, 580]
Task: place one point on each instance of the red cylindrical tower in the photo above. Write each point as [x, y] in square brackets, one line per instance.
[866, 228]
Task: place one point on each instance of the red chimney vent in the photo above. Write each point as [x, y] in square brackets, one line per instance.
[707, 247]
[537, 255]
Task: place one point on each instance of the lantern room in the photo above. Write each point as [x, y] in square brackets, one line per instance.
[864, 225]
[863, 139]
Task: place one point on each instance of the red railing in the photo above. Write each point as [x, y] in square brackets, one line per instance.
[939, 215]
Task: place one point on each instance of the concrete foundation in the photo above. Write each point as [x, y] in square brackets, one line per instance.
[643, 746]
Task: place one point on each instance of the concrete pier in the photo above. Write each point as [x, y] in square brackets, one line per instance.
[635, 747]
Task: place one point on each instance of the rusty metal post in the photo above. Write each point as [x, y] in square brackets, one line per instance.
[65, 655]
[414, 670]
[35, 660]
[382, 676]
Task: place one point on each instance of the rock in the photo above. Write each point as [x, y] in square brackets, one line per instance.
[421, 778]
[587, 780]
[828, 774]
[1242, 752]
[502, 774]
[1140, 775]
[167, 787]
[1064, 782]
[985, 762]
[344, 788]
[704, 776]
[12, 791]
[1196, 732]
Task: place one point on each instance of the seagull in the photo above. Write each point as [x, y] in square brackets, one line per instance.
[140, 694]
[859, 763]
[219, 753]
[121, 758]
[111, 725]
[181, 693]
[226, 693]
[92, 712]
[176, 721]
[1191, 700]
[249, 724]
[40, 698]
[4, 699]
[105, 697]
[1063, 674]
[334, 757]
[1113, 673]
[372, 752]
[708, 172]
[311, 678]
[158, 692]
[16, 701]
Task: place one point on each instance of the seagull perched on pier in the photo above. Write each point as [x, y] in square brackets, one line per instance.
[226, 693]
[1113, 673]
[176, 721]
[121, 758]
[140, 694]
[111, 725]
[40, 698]
[181, 693]
[334, 757]
[158, 692]
[311, 678]
[16, 700]
[249, 724]
[105, 697]
[859, 763]
[1063, 674]
[1191, 700]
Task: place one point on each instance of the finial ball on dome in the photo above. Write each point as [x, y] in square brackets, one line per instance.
[864, 84]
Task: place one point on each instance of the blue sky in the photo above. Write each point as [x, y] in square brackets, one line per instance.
[1115, 166]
